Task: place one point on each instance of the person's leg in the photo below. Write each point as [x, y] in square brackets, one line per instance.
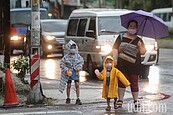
[135, 89]
[108, 108]
[78, 101]
[121, 92]
[135, 95]
[108, 101]
[68, 88]
[68, 91]
[121, 88]
[115, 103]
[77, 89]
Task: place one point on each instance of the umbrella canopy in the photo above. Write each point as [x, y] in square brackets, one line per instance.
[149, 25]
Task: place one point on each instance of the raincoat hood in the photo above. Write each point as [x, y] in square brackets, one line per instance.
[108, 57]
[69, 44]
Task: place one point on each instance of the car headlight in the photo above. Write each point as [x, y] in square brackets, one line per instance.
[104, 49]
[15, 38]
[50, 37]
[24, 39]
[49, 47]
[156, 46]
[149, 47]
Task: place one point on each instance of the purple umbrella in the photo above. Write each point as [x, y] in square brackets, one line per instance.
[149, 25]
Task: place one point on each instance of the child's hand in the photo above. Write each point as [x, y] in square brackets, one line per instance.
[97, 72]
[69, 73]
[77, 71]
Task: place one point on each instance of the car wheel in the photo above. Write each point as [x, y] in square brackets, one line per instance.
[90, 68]
[145, 71]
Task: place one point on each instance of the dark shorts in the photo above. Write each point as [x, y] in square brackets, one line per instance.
[69, 81]
[133, 79]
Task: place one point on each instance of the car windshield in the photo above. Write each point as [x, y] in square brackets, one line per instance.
[110, 25]
[24, 16]
[54, 26]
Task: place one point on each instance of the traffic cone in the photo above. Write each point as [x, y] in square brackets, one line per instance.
[10, 97]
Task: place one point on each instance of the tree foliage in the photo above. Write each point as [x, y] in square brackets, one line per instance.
[147, 5]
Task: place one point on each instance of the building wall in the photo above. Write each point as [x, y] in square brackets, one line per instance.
[19, 3]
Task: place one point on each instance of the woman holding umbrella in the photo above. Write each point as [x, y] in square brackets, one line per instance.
[127, 51]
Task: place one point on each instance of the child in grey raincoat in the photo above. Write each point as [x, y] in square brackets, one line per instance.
[70, 66]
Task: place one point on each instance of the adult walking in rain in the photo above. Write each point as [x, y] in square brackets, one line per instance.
[127, 51]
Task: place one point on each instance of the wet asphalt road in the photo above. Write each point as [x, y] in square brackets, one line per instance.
[158, 88]
[156, 94]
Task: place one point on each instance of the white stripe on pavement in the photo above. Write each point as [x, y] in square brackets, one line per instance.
[45, 112]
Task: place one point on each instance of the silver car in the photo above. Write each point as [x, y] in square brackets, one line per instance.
[52, 36]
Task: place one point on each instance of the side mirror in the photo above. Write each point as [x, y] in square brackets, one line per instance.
[90, 33]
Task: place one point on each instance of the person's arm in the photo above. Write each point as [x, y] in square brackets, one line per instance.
[115, 49]
[78, 67]
[63, 66]
[98, 74]
[141, 47]
[115, 56]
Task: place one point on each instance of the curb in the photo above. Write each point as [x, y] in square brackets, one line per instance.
[165, 43]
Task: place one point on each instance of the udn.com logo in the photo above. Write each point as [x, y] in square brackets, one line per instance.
[147, 107]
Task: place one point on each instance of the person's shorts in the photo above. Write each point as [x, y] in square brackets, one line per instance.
[69, 81]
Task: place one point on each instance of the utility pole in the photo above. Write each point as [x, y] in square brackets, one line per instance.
[144, 5]
[35, 95]
[5, 5]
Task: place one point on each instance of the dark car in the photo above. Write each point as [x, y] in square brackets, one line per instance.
[52, 36]
[20, 24]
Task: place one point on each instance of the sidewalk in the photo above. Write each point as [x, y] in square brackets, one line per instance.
[91, 93]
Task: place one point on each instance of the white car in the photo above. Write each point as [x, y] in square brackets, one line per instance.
[151, 56]
[95, 31]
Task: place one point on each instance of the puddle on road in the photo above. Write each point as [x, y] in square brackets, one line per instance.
[152, 86]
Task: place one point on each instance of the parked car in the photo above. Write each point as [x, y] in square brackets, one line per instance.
[166, 15]
[52, 36]
[20, 25]
[95, 31]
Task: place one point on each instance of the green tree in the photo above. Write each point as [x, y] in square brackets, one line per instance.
[160, 3]
[147, 5]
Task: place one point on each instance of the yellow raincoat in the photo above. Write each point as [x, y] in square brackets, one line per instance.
[115, 74]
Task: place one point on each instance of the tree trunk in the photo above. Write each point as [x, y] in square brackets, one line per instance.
[62, 9]
[144, 5]
[100, 5]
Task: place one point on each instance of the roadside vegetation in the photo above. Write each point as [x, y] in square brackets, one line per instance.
[170, 37]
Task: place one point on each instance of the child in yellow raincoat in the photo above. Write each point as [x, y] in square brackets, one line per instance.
[110, 76]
